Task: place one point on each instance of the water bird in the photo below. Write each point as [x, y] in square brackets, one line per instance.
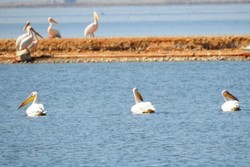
[230, 105]
[23, 41]
[53, 33]
[140, 106]
[35, 109]
[30, 41]
[92, 27]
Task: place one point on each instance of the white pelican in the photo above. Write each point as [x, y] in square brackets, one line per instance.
[92, 27]
[21, 38]
[230, 105]
[140, 106]
[53, 33]
[35, 109]
[28, 40]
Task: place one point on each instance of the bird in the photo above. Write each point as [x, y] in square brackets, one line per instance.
[35, 109]
[29, 39]
[21, 37]
[22, 43]
[53, 33]
[141, 107]
[92, 27]
[229, 105]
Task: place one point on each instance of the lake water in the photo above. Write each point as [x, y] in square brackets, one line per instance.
[231, 19]
[89, 122]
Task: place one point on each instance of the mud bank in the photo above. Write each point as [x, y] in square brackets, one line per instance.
[130, 49]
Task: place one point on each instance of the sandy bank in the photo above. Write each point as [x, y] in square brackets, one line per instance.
[195, 48]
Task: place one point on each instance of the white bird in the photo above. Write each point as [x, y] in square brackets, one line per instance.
[92, 27]
[230, 105]
[35, 109]
[28, 40]
[53, 33]
[140, 106]
[23, 41]
[21, 37]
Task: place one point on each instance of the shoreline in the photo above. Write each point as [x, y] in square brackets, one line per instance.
[133, 49]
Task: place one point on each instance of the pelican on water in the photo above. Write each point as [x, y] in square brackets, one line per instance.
[92, 27]
[53, 33]
[140, 106]
[35, 109]
[23, 41]
[230, 105]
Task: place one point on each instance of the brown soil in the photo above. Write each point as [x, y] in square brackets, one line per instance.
[127, 49]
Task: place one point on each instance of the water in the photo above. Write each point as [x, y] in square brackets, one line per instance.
[231, 19]
[89, 122]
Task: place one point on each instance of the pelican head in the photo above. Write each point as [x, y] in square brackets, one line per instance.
[96, 15]
[52, 20]
[32, 97]
[26, 25]
[226, 95]
[137, 96]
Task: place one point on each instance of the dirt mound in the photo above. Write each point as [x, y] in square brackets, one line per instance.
[134, 49]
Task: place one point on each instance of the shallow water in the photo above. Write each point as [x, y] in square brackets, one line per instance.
[228, 19]
[89, 122]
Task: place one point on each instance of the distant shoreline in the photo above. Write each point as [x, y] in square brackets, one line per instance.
[147, 3]
[133, 49]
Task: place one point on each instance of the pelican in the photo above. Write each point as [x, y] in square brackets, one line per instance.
[28, 40]
[140, 106]
[35, 109]
[92, 27]
[230, 105]
[24, 36]
[53, 33]
[21, 37]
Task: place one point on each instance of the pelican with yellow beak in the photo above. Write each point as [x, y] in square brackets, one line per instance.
[35, 109]
[230, 105]
[92, 27]
[53, 33]
[140, 106]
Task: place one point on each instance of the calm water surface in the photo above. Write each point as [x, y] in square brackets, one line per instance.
[89, 122]
[229, 19]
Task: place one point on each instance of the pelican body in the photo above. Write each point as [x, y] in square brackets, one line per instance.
[53, 33]
[92, 27]
[140, 106]
[230, 105]
[35, 109]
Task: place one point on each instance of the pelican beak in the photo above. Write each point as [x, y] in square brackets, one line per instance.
[27, 24]
[137, 95]
[36, 33]
[229, 95]
[96, 15]
[27, 101]
[53, 21]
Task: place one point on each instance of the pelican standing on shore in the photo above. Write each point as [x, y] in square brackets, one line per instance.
[230, 105]
[21, 37]
[30, 41]
[35, 109]
[53, 33]
[92, 27]
[140, 106]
